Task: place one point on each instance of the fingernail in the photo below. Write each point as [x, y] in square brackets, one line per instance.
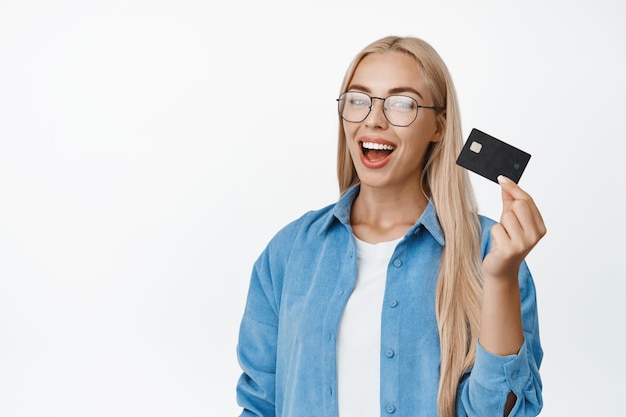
[502, 179]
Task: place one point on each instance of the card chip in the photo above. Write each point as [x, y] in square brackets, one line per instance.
[476, 147]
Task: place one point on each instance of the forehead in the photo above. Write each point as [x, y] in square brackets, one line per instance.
[384, 72]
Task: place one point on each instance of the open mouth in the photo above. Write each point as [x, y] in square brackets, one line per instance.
[375, 152]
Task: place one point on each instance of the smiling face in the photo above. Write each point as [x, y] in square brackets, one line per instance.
[385, 155]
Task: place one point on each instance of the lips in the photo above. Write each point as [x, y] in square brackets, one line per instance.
[376, 154]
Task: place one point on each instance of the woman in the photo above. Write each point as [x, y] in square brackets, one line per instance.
[399, 299]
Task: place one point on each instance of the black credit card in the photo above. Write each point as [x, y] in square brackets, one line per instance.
[490, 157]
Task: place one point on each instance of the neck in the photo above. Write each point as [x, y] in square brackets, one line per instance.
[383, 214]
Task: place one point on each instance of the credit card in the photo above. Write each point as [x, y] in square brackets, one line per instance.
[491, 157]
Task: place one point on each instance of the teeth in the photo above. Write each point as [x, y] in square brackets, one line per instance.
[378, 146]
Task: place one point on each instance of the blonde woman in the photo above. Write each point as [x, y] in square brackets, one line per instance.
[399, 299]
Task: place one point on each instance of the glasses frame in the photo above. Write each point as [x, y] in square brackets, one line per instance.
[417, 107]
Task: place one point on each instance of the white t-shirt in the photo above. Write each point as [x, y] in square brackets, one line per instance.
[358, 338]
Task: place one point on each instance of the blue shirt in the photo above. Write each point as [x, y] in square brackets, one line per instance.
[299, 287]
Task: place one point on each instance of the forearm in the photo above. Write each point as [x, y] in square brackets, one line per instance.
[501, 331]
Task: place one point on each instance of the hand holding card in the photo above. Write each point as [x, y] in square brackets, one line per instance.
[491, 157]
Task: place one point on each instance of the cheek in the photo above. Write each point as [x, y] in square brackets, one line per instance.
[353, 149]
[348, 131]
[427, 132]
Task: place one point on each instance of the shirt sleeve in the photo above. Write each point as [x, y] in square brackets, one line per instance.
[256, 349]
[484, 389]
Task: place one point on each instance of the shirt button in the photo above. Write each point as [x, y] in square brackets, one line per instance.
[514, 374]
[397, 263]
[393, 303]
[390, 409]
[389, 353]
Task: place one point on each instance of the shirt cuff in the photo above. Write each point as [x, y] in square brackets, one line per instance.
[501, 373]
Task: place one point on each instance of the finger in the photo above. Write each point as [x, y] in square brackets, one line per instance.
[512, 192]
[499, 237]
[503, 246]
[526, 215]
[513, 227]
[506, 187]
[529, 217]
[521, 240]
[523, 228]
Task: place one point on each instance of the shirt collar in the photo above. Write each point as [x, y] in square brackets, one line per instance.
[341, 212]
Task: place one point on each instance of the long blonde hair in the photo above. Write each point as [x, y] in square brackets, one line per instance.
[449, 187]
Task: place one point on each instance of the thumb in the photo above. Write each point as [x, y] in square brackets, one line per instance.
[507, 186]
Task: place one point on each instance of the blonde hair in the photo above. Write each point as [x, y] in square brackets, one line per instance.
[449, 188]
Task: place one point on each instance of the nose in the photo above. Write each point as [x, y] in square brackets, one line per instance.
[376, 116]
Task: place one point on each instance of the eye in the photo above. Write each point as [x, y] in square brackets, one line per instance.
[401, 103]
[358, 100]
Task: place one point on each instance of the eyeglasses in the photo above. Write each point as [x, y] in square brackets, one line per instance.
[400, 111]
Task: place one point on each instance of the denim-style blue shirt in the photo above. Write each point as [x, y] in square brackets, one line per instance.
[299, 287]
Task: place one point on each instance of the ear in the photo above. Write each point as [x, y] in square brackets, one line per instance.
[441, 127]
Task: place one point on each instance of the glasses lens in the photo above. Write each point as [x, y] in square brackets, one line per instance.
[400, 110]
[354, 107]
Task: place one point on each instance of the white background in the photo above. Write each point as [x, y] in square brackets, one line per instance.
[147, 155]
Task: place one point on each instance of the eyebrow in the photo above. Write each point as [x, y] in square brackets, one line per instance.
[395, 90]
